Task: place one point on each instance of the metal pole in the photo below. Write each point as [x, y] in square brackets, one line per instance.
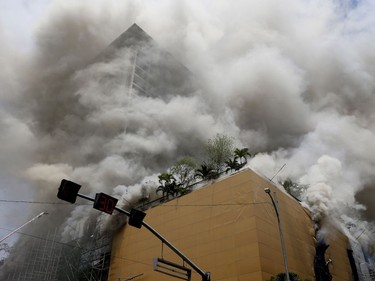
[275, 205]
[26, 223]
[205, 275]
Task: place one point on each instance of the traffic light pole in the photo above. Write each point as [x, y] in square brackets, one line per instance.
[205, 275]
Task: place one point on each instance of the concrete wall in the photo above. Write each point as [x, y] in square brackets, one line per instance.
[228, 228]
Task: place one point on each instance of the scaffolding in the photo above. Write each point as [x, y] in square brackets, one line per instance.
[47, 259]
[40, 262]
[95, 258]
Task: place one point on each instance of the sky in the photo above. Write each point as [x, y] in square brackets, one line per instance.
[17, 20]
[292, 81]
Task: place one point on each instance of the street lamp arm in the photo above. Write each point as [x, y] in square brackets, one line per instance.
[275, 205]
[26, 223]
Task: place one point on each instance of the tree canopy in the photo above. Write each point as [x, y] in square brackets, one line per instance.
[220, 157]
[184, 171]
[219, 150]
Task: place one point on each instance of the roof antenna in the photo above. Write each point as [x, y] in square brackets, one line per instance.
[282, 167]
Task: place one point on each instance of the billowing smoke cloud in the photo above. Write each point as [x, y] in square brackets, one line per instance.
[293, 80]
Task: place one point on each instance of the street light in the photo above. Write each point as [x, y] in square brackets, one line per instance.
[275, 205]
[26, 223]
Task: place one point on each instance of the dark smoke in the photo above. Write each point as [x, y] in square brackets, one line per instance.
[294, 80]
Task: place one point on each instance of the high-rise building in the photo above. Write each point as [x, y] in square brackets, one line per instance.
[151, 71]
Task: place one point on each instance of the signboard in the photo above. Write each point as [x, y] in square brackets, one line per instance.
[172, 269]
[105, 203]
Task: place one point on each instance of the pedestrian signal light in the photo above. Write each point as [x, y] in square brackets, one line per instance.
[105, 203]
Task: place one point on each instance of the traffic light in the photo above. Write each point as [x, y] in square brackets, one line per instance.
[136, 218]
[105, 203]
[68, 191]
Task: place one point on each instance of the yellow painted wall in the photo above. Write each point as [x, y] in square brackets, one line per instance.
[228, 228]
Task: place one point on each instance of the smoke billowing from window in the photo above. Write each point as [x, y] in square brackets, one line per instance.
[293, 80]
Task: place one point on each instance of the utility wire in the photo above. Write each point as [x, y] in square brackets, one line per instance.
[37, 202]
[215, 205]
[162, 205]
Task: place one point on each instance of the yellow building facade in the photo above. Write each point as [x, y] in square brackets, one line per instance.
[228, 228]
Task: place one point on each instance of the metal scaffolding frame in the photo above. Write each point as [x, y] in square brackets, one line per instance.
[47, 259]
[40, 262]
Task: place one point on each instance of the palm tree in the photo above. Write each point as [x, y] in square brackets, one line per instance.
[232, 164]
[167, 185]
[165, 177]
[242, 154]
[206, 172]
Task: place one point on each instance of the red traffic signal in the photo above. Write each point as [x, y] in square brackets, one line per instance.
[105, 203]
[68, 191]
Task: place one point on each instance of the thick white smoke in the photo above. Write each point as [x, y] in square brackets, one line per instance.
[292, 79]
